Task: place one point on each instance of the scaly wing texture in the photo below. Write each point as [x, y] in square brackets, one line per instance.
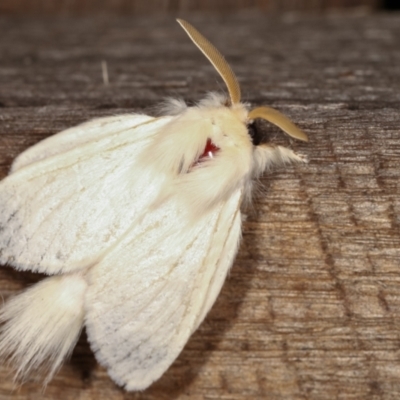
[152, 290]
[77, 136]
[60, 213]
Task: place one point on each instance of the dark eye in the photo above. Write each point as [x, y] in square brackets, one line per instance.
[255, 134]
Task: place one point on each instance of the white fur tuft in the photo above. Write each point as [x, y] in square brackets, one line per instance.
[42, 325]
[172, 106]
[214, 99]
[265, 156]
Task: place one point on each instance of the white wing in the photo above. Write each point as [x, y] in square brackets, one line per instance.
[77, 136]
[151, 291]
[60, 213]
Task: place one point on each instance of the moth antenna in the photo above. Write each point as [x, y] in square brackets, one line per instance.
[216, 59]
[278, 119]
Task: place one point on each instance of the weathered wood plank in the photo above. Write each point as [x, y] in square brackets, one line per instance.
[311, 307]
[135, 7]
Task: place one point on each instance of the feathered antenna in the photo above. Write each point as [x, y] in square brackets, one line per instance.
[216, 59]
[278, 119]
[223, 68]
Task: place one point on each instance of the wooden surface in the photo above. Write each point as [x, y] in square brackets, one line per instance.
[311, 308]
[124, 7]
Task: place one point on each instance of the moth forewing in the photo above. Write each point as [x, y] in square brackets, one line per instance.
[80, 135]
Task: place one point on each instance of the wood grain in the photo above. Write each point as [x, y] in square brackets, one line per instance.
[311, 307]
[135, 7]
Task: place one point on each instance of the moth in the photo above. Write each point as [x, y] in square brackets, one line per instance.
[137, 222]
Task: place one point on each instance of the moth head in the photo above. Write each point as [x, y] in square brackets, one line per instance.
[226, 73]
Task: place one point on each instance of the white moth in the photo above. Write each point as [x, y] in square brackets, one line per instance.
[137, 221]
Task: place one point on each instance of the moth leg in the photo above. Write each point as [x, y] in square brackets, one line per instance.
[266, 156]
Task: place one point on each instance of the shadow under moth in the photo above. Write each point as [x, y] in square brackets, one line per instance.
[137, 222]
